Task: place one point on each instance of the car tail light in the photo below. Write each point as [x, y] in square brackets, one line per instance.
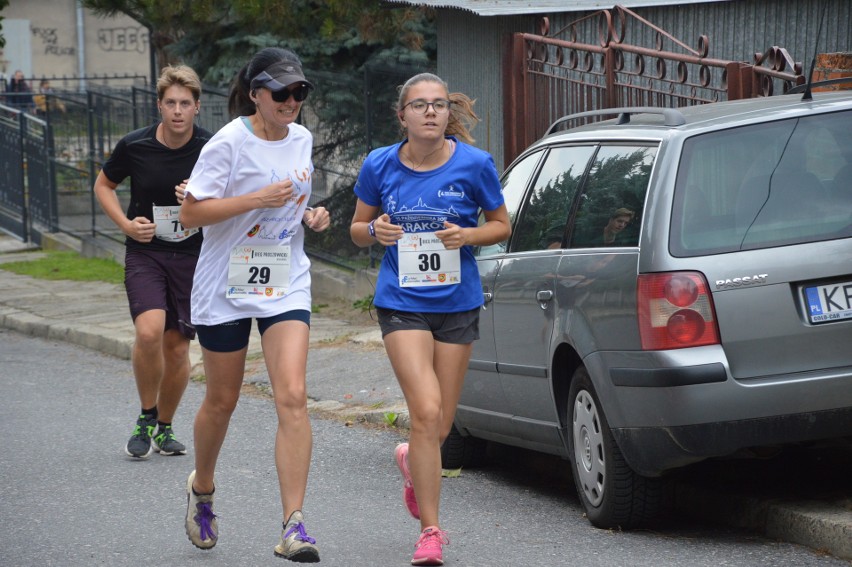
[675, 311]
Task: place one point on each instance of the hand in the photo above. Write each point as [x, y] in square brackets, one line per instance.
[317, 219]
[274, 195]
[453, 236]
[387, 233]
[180, 190]
[140, 229]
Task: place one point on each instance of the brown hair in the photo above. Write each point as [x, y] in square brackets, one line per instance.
[182, 76]
[462, 117]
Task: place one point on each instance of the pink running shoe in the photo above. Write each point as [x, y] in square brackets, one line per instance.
[430, 547]
[408, 496]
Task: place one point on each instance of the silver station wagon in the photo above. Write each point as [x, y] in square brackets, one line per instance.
[677, 286]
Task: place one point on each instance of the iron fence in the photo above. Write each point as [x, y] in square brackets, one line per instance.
[49, 161]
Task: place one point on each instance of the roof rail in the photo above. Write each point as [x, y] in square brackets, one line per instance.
[671, 116]
[801, 88]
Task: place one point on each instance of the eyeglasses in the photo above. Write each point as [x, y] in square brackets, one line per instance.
[419, 106]
[300, 93]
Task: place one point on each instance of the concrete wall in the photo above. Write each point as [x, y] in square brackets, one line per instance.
[43, 39]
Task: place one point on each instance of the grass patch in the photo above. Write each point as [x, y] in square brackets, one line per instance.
[67, 265]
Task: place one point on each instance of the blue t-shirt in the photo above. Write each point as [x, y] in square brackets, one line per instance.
[421, 202]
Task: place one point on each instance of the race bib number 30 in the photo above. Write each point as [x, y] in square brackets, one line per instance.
[423, 261]
[168, 226]
[258, 272]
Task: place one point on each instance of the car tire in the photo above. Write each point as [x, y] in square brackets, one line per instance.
[459, 451]
[611, 493]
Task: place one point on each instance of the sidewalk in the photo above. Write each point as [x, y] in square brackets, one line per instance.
[95, 315]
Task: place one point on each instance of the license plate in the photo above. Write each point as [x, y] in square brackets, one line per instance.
[830, 302]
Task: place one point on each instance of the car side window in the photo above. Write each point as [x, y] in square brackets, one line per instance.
[514, 181]
[544, 217]
[610, 208]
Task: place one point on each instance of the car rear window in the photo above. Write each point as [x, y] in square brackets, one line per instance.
[764, 185]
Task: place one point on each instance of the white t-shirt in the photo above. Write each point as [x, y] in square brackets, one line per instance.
[236, 162]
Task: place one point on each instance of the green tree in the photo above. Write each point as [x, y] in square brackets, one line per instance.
[355, 51]
[3, 4]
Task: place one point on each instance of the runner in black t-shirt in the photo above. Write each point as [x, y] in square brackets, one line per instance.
[160, 254]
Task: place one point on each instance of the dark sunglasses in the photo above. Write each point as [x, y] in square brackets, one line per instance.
[300, 93]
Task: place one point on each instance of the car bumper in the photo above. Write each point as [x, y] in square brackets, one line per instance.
[651, 451]
[671, 408]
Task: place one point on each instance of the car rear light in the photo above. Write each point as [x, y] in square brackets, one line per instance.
[675, 311]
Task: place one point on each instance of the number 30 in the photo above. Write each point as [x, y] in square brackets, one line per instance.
[429, 262]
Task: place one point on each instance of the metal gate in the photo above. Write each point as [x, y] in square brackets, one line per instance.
[26, 191]
[548, 76]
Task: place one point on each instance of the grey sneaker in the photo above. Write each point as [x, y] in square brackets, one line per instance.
[139, 445]
[201, 526]
[295, 544]
[164, 442]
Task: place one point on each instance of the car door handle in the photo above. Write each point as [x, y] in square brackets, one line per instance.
[544, 295]
[487, 296]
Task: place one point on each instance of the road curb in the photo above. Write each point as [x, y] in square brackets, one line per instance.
[822, 526]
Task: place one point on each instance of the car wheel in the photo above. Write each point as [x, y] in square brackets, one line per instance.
[612, 494]
[459, 451]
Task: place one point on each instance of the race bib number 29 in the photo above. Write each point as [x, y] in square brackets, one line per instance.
[258, 272]
[423, 261]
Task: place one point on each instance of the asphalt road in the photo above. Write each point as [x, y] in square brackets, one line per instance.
[69, 496]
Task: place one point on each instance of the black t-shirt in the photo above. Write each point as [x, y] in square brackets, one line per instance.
[154, 170]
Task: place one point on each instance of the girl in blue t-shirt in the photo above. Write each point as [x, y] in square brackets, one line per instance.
[421, 199]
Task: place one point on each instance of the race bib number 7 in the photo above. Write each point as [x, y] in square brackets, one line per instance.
[168, 226]
[423, 261]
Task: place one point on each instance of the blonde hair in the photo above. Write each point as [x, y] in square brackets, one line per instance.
[462, 117]
[182, 76]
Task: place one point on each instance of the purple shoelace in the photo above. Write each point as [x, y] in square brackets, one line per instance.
[203, 518]
[302, 534]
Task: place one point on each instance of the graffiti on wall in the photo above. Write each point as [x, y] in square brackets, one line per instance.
[50, 40]
[133, 39]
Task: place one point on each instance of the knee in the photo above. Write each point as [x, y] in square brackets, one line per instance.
[291, 400]
[425, 418]
[148, 337]
[221, 404]
[177, 352]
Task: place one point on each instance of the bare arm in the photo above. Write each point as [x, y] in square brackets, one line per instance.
[139, 228]
[387, 233]
[195, 213]
[496, 229]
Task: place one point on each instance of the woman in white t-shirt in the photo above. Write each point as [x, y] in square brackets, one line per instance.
[250, 190]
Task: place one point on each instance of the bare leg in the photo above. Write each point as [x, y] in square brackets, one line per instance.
[224, 373]
[285, 349]
[450, 367]
[411, 354]
[147, 355]
[176, 369]
[431, 375]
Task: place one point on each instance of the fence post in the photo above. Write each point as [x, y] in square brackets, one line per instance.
[92, 172]
[26, 232]
[515, 117]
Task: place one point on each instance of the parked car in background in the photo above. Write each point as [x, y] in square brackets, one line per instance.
[677, 286]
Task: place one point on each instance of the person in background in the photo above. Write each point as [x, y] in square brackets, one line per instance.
[421, 199]
[19, 94]
[250, 191]
[160, 254]
[618, 221]
[46, 100]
